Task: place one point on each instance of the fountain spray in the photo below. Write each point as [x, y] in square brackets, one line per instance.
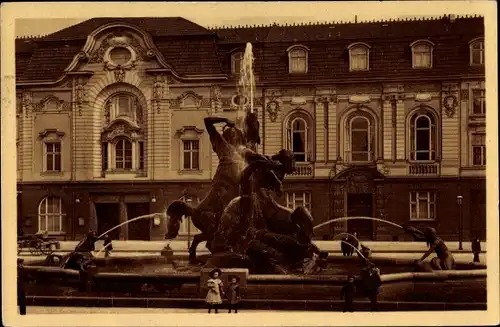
[247, 121]
[247, 78]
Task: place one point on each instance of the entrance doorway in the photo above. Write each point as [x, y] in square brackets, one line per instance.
[108, 216]
[360, 205]
[139, 229]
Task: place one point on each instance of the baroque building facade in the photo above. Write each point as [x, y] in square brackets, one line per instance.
[386, 119]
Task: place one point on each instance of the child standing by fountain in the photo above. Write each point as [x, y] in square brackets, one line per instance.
[347, 294]
[233, 293]
[215, 291]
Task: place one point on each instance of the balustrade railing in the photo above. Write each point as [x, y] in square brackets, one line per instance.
[423, 169]
[303, 170]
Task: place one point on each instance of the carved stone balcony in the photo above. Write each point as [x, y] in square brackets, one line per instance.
[303, 170]
[423, 169]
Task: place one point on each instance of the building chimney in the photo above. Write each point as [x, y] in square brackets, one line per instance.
[453, 18]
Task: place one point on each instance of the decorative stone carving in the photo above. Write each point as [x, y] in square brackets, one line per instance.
[188, 99]
[119, 74]
[423, 97]
[215, 99]
[273, 103]
[51, 133]
[359, 98]
[450, 104]
[449, 98]
[44, 104]
[160, 90]
[120, 39]
[120, 129]
[27, 102]
[273, 109]
[187, 129]
[80, 94]
[464, 95]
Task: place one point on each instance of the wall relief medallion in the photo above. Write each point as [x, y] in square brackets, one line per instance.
[450, 104]
[273, 108]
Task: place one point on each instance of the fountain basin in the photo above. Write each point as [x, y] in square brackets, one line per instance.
[150, 281]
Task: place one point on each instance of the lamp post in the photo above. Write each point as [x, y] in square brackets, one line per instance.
[188, 201]
[460, 221]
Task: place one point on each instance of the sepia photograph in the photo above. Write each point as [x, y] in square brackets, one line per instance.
[221, 160]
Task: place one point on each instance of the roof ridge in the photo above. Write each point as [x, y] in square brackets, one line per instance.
[345, 22]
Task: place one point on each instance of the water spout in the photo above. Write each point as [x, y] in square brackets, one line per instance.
[102, 249]
[354, 218]
[151, 215]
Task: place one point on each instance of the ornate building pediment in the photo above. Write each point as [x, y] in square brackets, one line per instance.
[188, 99]
[52, 103]
[121, 128]
[51, 134]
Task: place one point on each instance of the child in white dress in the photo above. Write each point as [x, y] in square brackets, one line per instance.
[215, 291]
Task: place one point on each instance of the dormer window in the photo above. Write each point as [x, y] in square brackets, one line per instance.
[477, 52]
[422, 54]
[236, 59]
[297, 59]
[359, 57]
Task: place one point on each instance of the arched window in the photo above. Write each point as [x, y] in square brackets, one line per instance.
[123, 105]
[123, 154]
[359, 57]
[236, 59]
[476, 47]
[297, 59]
[359, 139]
[50, 215]
[298, 139]
[422, 54]
[423, 137]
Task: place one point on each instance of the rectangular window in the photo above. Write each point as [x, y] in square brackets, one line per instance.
[479, 149]
[359, 58]
[124, 105]
[53, 157]
[296, 199]
[421, 57]
[191, 154]
[422, 205]
[236, 63]
[104, 156]
[478, 102]
[141, 155]
[477, 53]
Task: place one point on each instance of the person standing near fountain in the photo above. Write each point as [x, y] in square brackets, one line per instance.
[371, 281]
[215, 291]
[233, 293]
[476, 249]
[347, 294]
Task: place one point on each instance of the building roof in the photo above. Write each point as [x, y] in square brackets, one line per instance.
[192, 49]
[156, 26]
